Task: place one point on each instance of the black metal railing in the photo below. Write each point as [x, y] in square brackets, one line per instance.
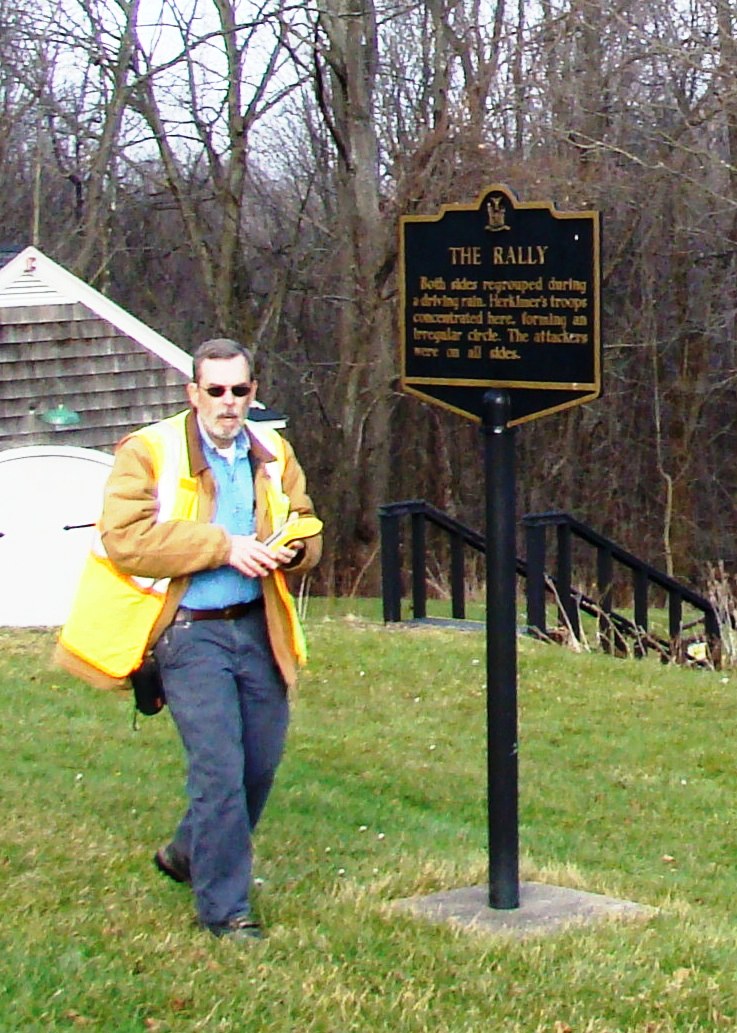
[613, 628]
[421, 513]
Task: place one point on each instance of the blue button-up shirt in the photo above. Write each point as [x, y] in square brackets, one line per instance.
[224, 586]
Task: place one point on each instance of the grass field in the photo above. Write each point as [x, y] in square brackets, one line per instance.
[627, 787]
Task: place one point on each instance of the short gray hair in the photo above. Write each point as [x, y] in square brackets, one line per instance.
[221, 348]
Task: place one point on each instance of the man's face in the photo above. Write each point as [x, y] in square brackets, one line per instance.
[222, 416]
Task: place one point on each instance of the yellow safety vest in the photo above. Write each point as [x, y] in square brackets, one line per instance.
[114, 613]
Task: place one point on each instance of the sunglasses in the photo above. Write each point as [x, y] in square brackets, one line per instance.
[217, 390]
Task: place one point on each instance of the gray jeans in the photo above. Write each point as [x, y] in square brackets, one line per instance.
[229, 703]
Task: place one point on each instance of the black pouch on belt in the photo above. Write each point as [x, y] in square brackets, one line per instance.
[148, 689]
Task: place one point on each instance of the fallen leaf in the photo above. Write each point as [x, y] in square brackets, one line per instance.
[77, 1019]
[679, 977]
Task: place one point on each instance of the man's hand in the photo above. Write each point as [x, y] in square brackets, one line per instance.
[254, 559]
[286, 553]
[251, 557]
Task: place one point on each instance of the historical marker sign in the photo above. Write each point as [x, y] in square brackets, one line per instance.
[501, 294]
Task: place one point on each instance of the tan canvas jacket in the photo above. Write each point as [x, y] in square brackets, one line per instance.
[140, 546]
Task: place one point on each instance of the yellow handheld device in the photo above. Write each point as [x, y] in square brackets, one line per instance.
[294, 530]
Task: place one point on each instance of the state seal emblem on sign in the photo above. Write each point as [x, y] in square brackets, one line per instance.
[496, 213]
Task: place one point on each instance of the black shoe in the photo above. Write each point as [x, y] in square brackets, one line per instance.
[169, 861]
[240, 928]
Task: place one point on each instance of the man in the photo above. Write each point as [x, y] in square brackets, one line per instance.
[181, 566]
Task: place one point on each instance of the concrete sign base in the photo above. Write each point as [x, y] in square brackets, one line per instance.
[543, 909]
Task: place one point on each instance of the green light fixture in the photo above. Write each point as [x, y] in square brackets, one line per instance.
[61, 418]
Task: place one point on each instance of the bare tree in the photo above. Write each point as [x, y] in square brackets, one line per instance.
[201, 106]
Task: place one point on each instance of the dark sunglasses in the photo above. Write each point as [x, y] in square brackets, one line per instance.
[217, 390]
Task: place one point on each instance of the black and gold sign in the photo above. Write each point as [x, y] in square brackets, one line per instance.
[501, 295]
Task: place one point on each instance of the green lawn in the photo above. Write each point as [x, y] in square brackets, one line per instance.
[627, 787]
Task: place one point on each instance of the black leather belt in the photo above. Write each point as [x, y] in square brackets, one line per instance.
[227, 613]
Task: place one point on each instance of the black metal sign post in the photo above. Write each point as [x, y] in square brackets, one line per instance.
[500, 320]
[501, 651]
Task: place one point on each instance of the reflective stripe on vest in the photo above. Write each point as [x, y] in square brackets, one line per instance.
[113, 613]
[278, 506]
[176, 491]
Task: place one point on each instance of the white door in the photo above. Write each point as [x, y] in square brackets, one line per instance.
[50, 499]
